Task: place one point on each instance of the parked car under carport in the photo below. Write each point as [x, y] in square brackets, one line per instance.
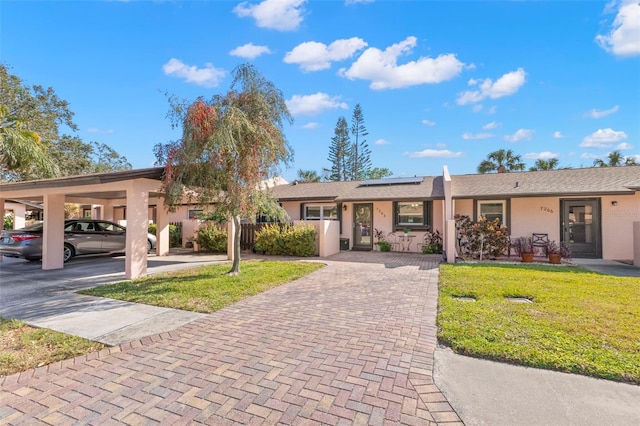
[81, 237]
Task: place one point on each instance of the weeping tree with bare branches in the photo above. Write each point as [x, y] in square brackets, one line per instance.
[230, 146]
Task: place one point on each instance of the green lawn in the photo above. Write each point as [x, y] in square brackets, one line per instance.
[23, 347]
[208, 288]
[579, 321]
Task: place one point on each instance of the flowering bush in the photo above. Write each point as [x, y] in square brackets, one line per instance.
[485, 238]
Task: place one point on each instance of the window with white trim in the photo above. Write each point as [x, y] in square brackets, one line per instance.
[492, 209]
[321, 212]
[412, 214]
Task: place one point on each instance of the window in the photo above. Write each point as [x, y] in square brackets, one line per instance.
[320, 212]
[195, 213]
[412, 214]
[492, 210]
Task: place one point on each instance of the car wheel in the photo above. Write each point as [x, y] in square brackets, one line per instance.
[149, 246]
[68, 252]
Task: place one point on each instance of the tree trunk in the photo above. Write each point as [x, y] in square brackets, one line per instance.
[235, 267]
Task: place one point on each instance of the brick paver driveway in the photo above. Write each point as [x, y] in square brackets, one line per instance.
[351, 343]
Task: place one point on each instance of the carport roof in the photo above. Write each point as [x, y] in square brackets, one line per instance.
[155, 173]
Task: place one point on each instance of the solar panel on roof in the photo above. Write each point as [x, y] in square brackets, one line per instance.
[392, 181]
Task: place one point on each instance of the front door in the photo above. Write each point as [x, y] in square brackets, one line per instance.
[581, 227]
[362, 226]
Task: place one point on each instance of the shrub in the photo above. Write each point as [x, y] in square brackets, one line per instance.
[287, 240]
[432, 243]
[384, 245]
[211, 238]
[8, 222]
[175, 234]
[485, 238]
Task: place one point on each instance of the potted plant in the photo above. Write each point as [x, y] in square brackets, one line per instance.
[381, 242]
[523, 246]
[556, 252]
[406, 232]
[553, 252]
[432, 243]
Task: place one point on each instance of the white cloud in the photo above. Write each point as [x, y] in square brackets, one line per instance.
[506, 85]
[382, 142]
[471, 136]
[96, 130]
[209, 76]
[603, 138]
[636, 157]
[492, 110]
[624, 37]
[434, 153]
[316, 56]
[249, 51]
[281, 15]
[545, 155]
[428, 123]
[624, 146]
[310, 125]
[521, 134]
[558, 135]
[382, 69]
[594, 113]
[313, 104]
[350, 2]
[492, 125]
[477, 108]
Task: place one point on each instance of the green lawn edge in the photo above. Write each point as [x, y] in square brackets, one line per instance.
[578, 322]
[208, 288]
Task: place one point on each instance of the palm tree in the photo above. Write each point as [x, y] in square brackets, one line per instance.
[615, 159]
[21, 147]
[550, 164]
[501, 161]
[308, 176]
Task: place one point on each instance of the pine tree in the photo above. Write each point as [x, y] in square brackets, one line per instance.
[339, 152]
[360, 154]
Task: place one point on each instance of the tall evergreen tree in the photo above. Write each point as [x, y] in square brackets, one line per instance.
[340, 153]
[360, 153]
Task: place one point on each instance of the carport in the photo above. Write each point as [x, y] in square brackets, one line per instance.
[133, 188]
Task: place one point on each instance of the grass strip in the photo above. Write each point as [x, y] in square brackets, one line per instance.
[208, 288]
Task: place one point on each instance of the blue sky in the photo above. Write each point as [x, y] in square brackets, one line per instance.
[438, 82]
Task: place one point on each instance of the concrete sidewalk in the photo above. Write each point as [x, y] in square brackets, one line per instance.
[48, 298]
[608, 267]
[498, 394]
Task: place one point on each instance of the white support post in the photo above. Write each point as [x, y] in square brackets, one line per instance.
[19, 216]
[137, 225]
[162, 226]
[450, 241]
[53, 232]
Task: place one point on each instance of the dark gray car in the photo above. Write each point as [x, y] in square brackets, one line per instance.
[81, 237]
